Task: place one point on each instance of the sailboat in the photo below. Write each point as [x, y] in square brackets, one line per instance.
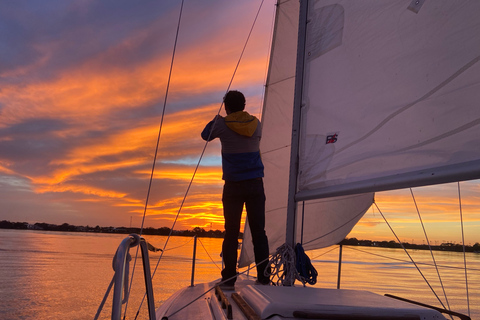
[361, 97]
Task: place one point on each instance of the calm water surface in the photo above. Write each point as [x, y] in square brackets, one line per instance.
[53, 275]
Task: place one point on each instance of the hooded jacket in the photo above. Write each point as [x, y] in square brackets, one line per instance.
[239, 134]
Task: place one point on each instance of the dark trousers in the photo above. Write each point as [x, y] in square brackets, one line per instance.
[235, 195]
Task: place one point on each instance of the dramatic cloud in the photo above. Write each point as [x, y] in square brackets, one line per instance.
[83, 87]
[82, 90]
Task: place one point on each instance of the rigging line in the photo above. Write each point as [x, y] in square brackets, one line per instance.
[245, 45]
[231, 79]
[406, 261]
[339, 227]
[431, 251]
[463, 241]
[281, 80]
[182, 245]
[334, 248]
[276, 149]
[156, 154]
[162, 117]
[206, 143]
[411, 259]
[303, 222]
[267, 62]
[204, 148]
[209, 254]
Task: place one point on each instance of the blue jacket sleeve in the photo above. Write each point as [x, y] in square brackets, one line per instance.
[207, 130]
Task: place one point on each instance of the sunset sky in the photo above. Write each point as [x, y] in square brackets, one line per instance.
[82, 88]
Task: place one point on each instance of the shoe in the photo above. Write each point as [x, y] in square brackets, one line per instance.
[226, 286]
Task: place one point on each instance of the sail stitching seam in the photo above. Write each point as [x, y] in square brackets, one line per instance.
[408, 106]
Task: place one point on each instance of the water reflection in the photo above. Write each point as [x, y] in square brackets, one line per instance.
[51, 275]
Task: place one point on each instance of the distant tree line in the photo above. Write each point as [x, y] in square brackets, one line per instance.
[200, 232]
[447, 246]
[163, 231]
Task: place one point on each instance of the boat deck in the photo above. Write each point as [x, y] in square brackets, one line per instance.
[253, 301]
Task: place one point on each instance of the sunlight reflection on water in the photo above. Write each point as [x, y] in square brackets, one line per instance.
[54, 275]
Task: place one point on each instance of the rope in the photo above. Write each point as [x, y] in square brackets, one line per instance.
[402, 260]
[288, 265]
[208, 254]
[182, 245]
[267, 61]
[324, 253]
[307, 272]
[403, 247]
[283, 266]
[430, 248]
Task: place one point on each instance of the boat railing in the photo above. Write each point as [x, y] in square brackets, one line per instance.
[120, 279]
[192, 280]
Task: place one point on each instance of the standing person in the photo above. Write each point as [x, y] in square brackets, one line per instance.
[242, 166]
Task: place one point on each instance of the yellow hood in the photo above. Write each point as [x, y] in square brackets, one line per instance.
[242, 123]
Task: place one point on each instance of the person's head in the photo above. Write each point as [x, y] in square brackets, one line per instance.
[234, 101]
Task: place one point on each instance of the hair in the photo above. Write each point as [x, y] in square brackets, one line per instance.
[234, 101]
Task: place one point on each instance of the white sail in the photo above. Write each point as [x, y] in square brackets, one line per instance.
[400, 97]
[326, 221]
[385, 105]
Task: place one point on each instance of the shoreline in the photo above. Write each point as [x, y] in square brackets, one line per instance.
[200, 232]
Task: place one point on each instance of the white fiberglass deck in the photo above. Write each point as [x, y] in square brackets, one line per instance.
[316, 303]
[270, 302]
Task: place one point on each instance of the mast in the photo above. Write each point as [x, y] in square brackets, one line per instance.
[290, 237]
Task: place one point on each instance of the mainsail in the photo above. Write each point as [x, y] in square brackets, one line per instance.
[390, 99]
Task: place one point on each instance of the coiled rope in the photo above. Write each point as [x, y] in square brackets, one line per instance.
[283, 271]
[288, 265]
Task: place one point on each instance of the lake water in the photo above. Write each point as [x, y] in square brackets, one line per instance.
[55, 275]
